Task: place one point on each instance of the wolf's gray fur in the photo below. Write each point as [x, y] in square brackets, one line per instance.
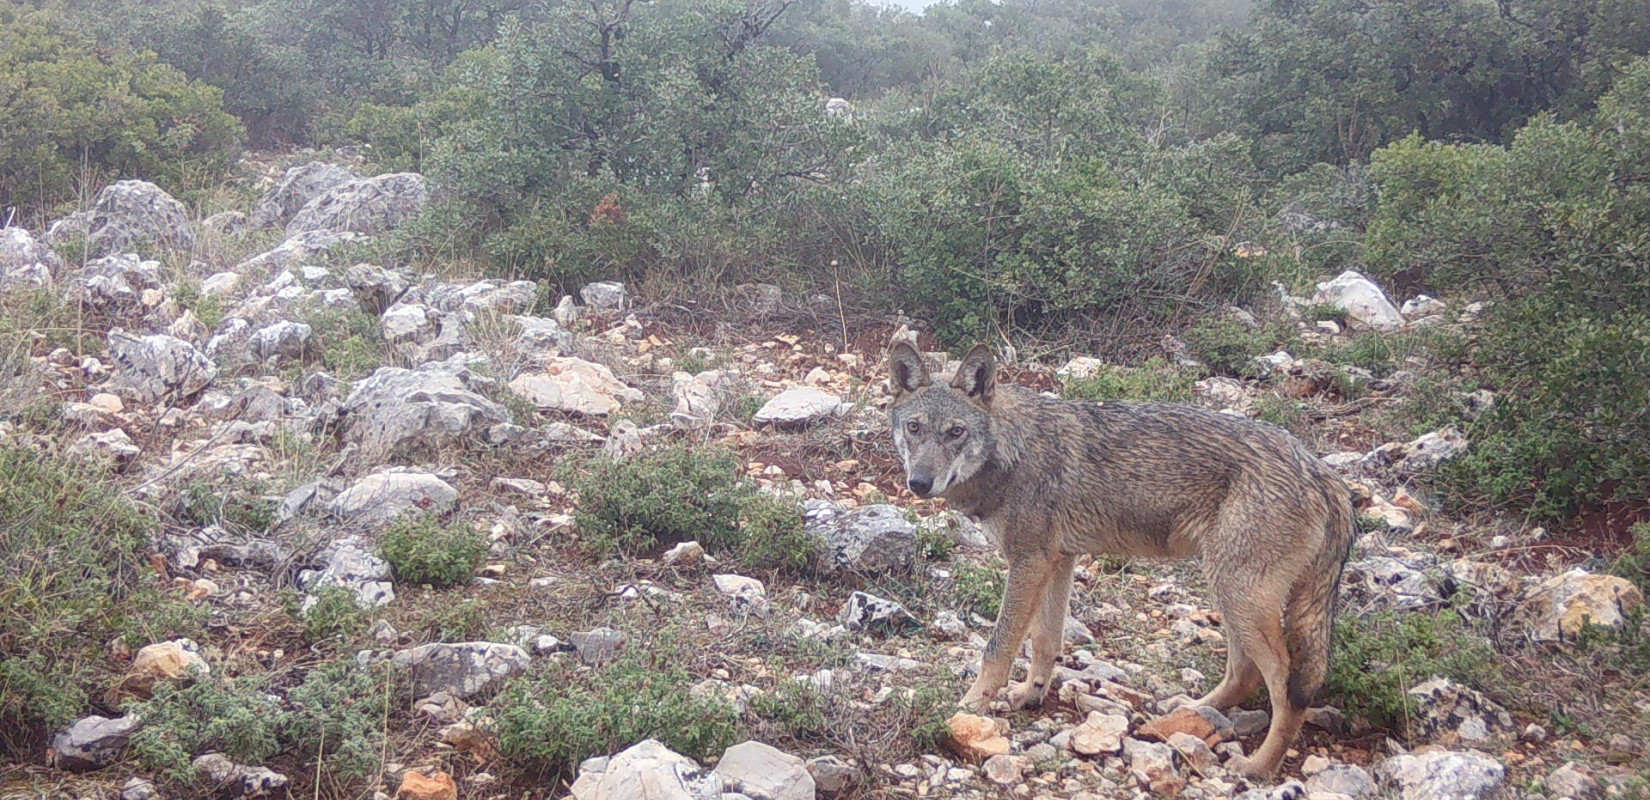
[1050, 480]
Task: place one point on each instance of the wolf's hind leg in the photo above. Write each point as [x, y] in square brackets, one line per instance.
[1048, 637]
[1258, 623]
[1242, 677]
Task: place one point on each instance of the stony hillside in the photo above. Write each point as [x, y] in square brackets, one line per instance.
[281, 518]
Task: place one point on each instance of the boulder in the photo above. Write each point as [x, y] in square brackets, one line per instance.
[699, 398]
[977, 738]
[762, 771]
[418, 786]
[1573, 781]
[296, 250]
[24, 261]
[366, 206]
[1441, 775]
[575, 386]
[395, 408]
[865, 612]
[462, 670]
[1366, 306]
[875, 538]
[127, 216]
[794, 408]
[1562, 606]
[155, 368]
[747, 594]
[1350, 780]
[647, 771]
[1452, 715]
[1100, 734]
[598, 645]
[379, 499]
[288, 341]
[349, 564]
[606, 296]
[1389, 583]
[116, 284]
[297, 188]
[225, 779]
[93, 742]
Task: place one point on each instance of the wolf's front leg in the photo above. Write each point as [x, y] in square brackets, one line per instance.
[1028, 580]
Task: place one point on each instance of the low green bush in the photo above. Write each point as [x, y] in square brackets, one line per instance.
[233, 716]
[677, 493]
[1156, 380]
[74, 578]
[1379, 657]
[423, 550]
[550, 721]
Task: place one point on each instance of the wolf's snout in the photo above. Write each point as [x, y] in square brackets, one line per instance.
[920, 486]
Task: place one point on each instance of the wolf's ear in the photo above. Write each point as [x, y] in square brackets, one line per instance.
[977, 377]
[906, 370]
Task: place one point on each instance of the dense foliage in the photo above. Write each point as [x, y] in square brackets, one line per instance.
[73, 113]
[1000, 168]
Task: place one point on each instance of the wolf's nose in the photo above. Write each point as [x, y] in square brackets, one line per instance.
[920, 486]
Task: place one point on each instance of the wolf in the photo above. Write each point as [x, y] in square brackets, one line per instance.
[1050, 480]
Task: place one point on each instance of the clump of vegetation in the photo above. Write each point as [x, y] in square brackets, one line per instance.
[797, 708]
[1634, 561]
[339, 712]
[423, 550]
[351, 342]
[74, 578]
[233, 716]
[1379, 657]
[237, 505]
[335, 616]
[1229, 347]
[551, 721]
[80, 107]
[1156, 380]
[774, 535]
[979, 588]
[660, 497]
[678, 493]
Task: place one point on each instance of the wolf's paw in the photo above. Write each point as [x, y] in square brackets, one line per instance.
[1027, 695]
[1255, 769]
[976, 699]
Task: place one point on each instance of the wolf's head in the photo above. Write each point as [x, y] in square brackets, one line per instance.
[943, 431]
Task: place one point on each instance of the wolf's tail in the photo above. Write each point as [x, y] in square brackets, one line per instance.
[1310, 622]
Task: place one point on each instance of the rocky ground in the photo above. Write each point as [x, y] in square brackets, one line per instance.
[281, 402]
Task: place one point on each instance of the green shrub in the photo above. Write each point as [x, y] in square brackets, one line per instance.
[1378, 657]
[1229, 347]
[340, 712]
[233, 716]
[74, 578]
[422, 550]
[798, 708]
[774, 535]
[1634, 561]
[1553, 227]
[673, 494]
[335, 616]
[204, 503]
[979, 589]
[72, 104]
[1156, 380]
[660, 497]
[351, 342]
[551, 721]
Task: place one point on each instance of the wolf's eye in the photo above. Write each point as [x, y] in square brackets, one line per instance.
[913, 426]
[956, 431]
